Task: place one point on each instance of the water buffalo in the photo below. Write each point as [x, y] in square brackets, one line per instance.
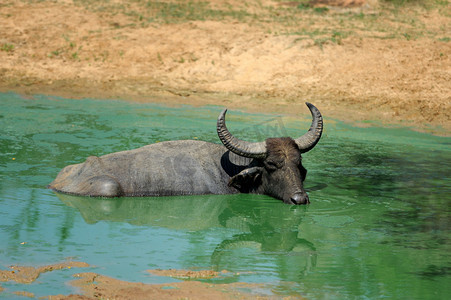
[190, 167]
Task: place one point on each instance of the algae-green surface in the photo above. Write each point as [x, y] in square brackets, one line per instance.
[378, 225]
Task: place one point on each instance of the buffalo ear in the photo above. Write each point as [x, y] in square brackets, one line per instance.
[246, 179]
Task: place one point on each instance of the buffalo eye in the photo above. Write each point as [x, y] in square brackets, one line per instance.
[272, 165]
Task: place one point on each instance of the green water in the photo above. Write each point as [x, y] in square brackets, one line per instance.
[378, 225]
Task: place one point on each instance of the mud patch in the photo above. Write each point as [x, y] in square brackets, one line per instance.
[95, 286]
[27, 275]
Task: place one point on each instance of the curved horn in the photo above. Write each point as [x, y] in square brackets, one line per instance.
[311, 138]
[237, 146]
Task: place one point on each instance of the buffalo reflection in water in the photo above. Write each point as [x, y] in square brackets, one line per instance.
[265, 227]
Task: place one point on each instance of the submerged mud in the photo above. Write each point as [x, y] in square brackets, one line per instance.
[187, 274]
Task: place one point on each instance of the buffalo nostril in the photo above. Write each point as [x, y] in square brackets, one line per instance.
[300, 199]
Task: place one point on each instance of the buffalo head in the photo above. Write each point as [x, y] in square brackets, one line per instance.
[277, 166]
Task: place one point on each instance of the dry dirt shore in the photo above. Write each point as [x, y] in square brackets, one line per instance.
[356, 60]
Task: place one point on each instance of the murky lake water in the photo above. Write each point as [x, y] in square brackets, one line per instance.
[378, 225]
